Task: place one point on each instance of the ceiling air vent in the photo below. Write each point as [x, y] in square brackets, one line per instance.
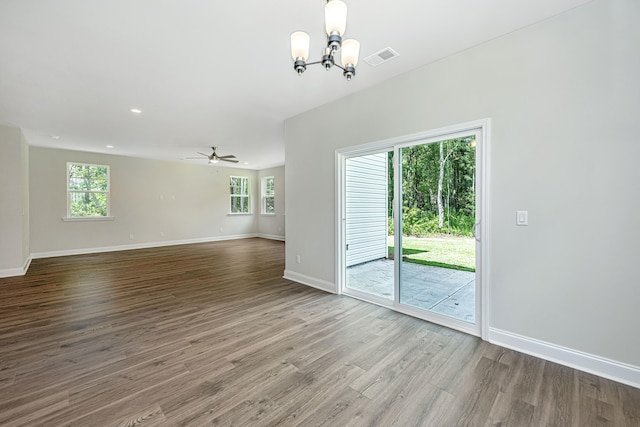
[386, 54]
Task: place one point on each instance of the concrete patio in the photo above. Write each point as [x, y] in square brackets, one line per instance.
[439, 290]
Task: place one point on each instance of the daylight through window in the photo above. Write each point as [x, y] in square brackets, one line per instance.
[268, 195]
[87, 190]
[239, 190]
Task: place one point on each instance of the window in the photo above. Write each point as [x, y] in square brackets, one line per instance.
[268, 195]
[239, 191]
[87, 190]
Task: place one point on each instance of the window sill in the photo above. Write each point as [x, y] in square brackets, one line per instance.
[239, 213]
[87, 218]
[267, 214]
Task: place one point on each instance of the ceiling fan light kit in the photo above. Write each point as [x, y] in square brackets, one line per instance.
[214, 158]
[335, 20]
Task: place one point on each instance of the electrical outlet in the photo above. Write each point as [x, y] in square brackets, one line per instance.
[298, 260]
[131, 236]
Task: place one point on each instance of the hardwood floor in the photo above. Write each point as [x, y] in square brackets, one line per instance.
[210, 334]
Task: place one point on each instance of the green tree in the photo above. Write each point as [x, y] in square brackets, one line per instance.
[438, 187]
[88, 187]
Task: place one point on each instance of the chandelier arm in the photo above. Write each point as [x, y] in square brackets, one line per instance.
[320, 62]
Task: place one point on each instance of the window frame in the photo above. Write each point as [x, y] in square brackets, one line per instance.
[265, 196]
[240, 196]
[107, 192]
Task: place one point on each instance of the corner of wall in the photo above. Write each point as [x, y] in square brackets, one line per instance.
[26, 217]
[314, 282]
[14, 192]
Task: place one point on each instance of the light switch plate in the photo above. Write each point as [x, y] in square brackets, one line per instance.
[522, 218]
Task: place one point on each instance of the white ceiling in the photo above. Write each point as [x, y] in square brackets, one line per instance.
[210, 72]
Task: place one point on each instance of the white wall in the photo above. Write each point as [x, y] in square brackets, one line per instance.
[272, 226]
[14, 207]
[564, 99]
[185, 202]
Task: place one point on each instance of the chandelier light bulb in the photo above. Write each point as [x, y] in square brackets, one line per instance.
[350, 52]
[300, 45]
[335, 17]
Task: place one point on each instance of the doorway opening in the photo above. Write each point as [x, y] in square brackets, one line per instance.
[424, 195]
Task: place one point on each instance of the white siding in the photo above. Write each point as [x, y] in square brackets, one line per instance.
[366, 208]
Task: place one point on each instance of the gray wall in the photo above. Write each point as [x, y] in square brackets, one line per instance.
[564, 100]
[156, 201]
[272, 226]
[14, 201]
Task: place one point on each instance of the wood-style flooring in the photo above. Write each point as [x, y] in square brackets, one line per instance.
[211, 334]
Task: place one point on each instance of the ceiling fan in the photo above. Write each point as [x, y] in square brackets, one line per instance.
[214, 158]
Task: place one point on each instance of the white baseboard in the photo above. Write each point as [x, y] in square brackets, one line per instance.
[84, 251]
[12, 272]
[270, 237]
[323, 285]
[26, 265]
[616, 371]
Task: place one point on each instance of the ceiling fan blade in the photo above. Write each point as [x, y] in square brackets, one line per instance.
[193, 158]
[231, 156]
[227, 160]
[206, 155]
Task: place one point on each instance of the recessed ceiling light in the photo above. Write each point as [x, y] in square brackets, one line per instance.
[56, 137]
[135, 110]
[246, 163]
[109, 146]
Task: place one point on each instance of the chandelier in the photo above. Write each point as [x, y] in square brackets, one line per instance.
[335, 21]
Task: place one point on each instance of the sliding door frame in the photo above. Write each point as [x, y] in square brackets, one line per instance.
[482, 129]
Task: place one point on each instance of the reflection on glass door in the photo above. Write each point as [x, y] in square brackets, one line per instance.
[438, 256]
[370, 270]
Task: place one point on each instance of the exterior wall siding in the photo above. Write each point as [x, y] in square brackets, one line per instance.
[366, 208]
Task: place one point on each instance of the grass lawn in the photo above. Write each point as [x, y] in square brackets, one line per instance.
[448, 252]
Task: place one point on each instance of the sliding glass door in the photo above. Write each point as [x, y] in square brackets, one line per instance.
[370, 270]
[409, 221]
[438, 198]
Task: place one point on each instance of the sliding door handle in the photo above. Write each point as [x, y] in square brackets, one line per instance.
[474, 231]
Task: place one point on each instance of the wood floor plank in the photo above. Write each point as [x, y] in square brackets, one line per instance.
[306, 399]
[346, 408]
[211, 334]
[151, 416]
[425, 406]
[213, 397]
[557, 397]
[27, 411]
